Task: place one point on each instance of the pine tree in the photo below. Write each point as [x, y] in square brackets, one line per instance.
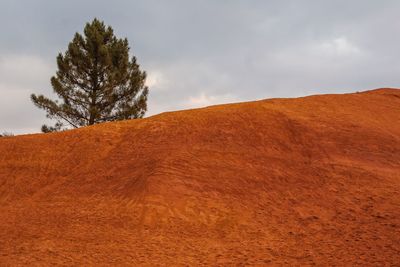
[95, 81]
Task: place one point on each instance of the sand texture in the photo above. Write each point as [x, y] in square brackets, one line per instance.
[295, 182]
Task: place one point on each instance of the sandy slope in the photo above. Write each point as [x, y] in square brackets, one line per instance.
[307, 181]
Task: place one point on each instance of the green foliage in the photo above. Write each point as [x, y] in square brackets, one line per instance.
[96, 81]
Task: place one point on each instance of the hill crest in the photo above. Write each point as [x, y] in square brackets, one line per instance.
[249, 183]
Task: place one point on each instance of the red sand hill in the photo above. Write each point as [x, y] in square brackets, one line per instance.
[306, 181]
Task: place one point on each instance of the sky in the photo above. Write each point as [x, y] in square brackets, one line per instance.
[204, 52]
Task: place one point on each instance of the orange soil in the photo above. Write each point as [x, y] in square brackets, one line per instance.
[306, 181]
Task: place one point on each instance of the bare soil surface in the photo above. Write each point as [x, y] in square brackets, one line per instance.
[295, 182]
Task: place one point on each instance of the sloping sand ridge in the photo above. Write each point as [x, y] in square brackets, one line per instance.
[304, 181]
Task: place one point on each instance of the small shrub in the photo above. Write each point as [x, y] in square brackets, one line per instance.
[6, 134]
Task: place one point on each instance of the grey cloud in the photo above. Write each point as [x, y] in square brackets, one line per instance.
[206, 52]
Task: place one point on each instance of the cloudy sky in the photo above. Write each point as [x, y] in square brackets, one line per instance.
[205, 52]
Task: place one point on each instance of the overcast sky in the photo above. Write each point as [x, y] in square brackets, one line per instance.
[205, 52]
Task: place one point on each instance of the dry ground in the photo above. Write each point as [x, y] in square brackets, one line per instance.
[307, 181]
